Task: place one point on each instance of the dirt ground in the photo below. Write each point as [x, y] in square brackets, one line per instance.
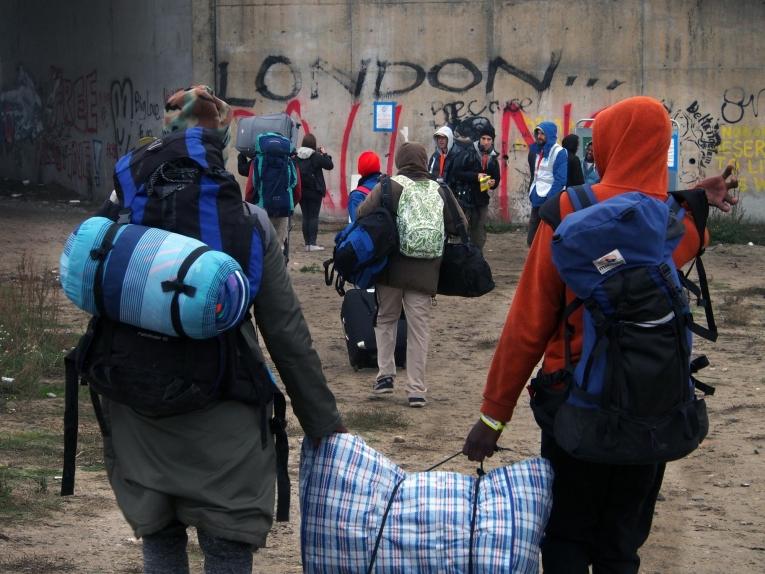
[711, 513]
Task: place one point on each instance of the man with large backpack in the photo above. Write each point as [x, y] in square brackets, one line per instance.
[211, 467]
[273, 182]
[410, 278]
[607, 367]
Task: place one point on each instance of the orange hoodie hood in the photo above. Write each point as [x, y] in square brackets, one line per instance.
[631, 142]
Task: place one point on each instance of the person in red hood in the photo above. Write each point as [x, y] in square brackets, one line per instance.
[601, 513]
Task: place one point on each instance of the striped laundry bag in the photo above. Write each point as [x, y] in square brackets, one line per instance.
[361, 513]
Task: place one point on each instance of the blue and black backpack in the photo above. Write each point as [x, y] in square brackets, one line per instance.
[631, 396]
[362, 248]
[274, 176]
[177, 183]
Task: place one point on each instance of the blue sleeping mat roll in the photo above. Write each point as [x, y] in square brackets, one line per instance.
[139, 280]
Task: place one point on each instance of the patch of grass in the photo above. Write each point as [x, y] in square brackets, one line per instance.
[312, 268]
[734, 310]
[35, 564]
[734, 227]
[25, 494]
[750, 292]
[33, 444]
[486, 342]
[374, 419]
[32, 339]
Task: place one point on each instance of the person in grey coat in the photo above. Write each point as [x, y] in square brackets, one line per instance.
[210, 468]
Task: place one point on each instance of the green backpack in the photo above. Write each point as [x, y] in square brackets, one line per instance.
[420, 219]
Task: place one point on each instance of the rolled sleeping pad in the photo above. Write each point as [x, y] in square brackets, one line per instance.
[153, 279]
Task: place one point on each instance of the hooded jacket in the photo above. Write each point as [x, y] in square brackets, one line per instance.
[466, 168]
[406, 272]
[632, 143]
[550, 167]
[440, 165]
[311, 164]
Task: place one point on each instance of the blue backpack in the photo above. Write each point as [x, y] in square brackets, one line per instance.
[274, 176]
[630, 398]
[177, 184]
[362, 248]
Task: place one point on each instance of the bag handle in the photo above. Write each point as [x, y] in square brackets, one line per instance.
[451, 202]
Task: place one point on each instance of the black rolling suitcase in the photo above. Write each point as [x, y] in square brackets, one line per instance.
[357, 315]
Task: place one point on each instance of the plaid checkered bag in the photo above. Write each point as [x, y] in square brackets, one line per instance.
[441, 522]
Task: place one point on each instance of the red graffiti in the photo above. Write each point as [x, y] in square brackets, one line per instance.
[293, 107]
[240, 113]
[566, 119]
[504, 207]
[344, 155]
[75, 102]
[71, 158]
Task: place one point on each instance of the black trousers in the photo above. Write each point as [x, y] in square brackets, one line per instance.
[601, 514]
[310, 208]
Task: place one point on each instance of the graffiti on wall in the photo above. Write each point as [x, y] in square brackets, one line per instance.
[72, 103]
[134, 113]
[21, 115]
[278, 78]
[743, 138]
[61, 126]
[708, 144]
[391, 78]
[699, 136]
[738, 103]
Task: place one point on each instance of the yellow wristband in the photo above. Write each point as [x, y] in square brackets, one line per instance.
[492, 423]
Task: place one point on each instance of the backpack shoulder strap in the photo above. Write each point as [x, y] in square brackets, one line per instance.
[695, 200]
[387, 199]
[451, 203]
[580, 196]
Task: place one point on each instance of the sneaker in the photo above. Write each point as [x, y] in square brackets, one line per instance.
[308, 248]
[315, 248]
[417, 402]
[383, 385]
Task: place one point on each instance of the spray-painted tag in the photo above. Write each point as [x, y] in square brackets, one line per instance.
[609, 261]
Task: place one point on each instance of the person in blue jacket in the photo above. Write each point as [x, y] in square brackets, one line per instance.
[368, 167]
[550, 171]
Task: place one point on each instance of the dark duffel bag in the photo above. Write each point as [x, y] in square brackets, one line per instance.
[464, 272]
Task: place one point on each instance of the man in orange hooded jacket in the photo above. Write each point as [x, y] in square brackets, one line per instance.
[601, 513]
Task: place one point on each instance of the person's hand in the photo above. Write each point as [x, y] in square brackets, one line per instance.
[718, 188]
[492, 182]
[321, 150]
[481, 176]
[481, 442]
[316, 440]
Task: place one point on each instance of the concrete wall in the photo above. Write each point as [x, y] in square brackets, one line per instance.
[82, 81]
[515, 62]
